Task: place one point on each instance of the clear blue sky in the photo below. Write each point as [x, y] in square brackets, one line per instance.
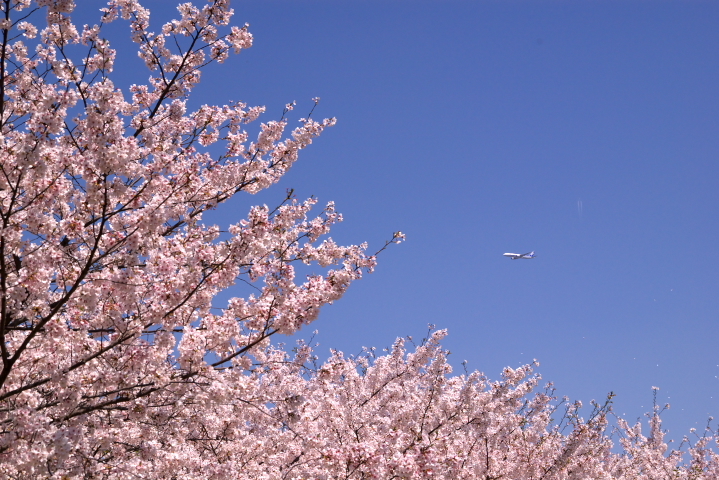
[477, 128]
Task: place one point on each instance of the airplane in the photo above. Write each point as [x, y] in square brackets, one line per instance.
[515, 256]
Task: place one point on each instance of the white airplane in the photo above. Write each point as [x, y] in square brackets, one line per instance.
[515, 256]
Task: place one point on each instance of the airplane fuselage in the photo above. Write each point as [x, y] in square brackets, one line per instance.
[515, 256]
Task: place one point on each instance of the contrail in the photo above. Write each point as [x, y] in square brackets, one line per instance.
[579, 207]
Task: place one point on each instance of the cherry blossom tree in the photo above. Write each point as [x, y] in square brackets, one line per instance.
[115, 363]
[107, 273]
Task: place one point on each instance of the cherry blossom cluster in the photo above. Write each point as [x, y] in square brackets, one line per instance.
[107, 272]
[398, 415]
[404, 415]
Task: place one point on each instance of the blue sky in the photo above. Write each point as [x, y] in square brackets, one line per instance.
[477, 128]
